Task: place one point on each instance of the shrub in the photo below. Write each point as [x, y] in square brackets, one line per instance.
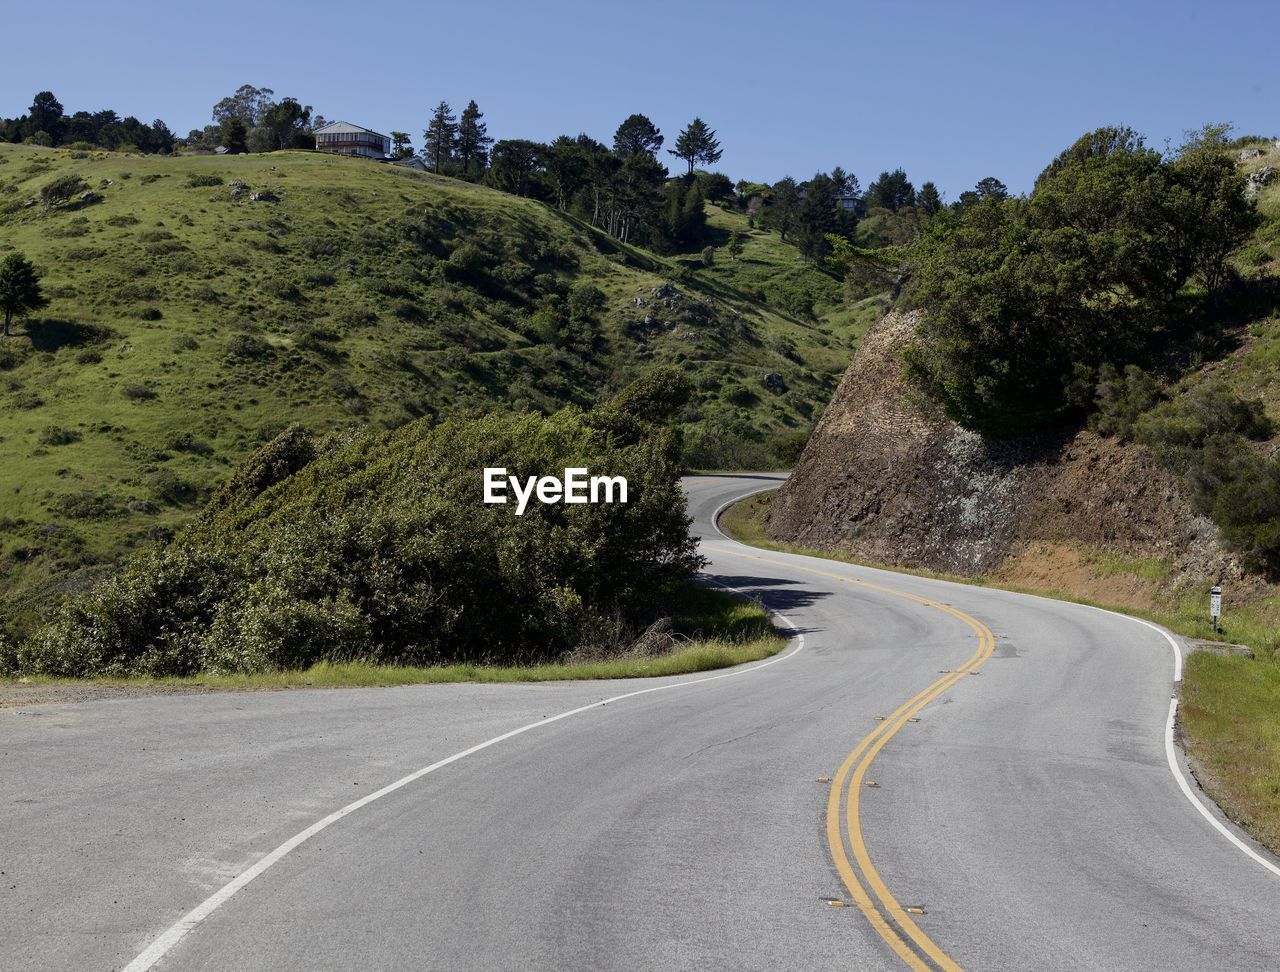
[1089, 269]
[61, 189]
[247, 347]
[585, 301]
[380, 548]
[139, 393]
[201, 181]
[55, 435]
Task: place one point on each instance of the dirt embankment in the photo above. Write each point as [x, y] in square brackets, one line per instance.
[885, 481]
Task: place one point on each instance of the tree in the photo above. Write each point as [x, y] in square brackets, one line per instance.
[61, 189]
[441, 136]
[637, 135]
[515, 160]
[891, 191]
[735, 245]
[566, 163]
[473, 140]
[234, 136]
[248, 104]
[401, 147]
[929, 200]
[162, 137]
[784, 202]
[1212, 212]
[283, 125]
[19, 289]
[697, 144]
[45, 116]
[817, 217]
[1026, 299]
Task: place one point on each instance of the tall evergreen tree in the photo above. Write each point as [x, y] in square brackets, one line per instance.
[697, 144]
[45, 116]
[816, 217]
[892, 191]
[929, 200]
[637, 135]
[473, 140]
[566, 163]
[441, 137]
[780, 211]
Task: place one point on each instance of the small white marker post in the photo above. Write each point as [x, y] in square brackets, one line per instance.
[1215, 606]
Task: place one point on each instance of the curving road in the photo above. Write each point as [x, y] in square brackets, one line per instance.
[862, 800]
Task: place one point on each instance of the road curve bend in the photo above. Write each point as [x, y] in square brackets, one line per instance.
[931, 776]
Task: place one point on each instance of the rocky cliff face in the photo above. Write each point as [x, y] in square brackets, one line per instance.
[885, 481]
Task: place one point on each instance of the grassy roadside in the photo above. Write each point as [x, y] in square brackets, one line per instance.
[1230, 710]
[716, 630]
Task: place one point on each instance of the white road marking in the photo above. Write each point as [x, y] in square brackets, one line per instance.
[165, 943]
[1175, 765]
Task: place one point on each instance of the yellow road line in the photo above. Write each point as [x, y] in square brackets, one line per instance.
[859, 762]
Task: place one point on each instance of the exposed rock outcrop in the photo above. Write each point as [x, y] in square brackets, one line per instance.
[885, 481]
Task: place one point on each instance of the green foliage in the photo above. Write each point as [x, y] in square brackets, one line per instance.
[201, 180]
[19, 289]
[1204, 435]
[1121, 399]
[1022, 295]
[249, 338]
[381, 549]
[61, 189]
[696, 145]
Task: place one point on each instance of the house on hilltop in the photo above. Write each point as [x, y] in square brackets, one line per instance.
[343, 138]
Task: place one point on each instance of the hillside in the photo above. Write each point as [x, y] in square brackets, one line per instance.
[885, 482]
[1075, 513]
[200, 304]
[889, 479]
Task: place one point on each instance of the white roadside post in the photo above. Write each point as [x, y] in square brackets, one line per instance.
[1215, 606]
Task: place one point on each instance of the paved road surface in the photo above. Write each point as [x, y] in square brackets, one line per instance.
[1028, 819]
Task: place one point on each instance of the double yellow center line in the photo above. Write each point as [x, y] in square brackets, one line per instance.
[890, 920]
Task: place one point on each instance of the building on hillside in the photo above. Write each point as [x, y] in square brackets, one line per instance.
[343, 138]
[853, 205]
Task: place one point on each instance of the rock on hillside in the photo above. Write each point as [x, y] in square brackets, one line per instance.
[884, 481]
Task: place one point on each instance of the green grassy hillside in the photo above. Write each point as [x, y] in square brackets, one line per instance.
[189, 322]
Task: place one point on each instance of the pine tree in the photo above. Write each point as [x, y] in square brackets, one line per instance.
[929, 200]
[441, 136]
[473, 140]
[637, 135]
[697, 143]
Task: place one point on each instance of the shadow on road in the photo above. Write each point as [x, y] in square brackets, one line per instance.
[775, 593]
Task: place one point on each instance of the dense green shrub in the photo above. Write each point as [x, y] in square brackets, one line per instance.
[195, 181]
[1205, 435]
[380, 547]
[1023, 294]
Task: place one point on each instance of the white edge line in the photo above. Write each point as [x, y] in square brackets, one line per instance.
[166, 941]
[1170, 748]
[1170, 751]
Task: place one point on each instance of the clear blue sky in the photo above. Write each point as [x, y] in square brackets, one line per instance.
[950, 91]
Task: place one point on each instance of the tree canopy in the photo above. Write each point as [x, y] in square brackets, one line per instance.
[1026, 298]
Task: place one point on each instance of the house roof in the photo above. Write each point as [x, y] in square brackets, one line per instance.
[345, 128]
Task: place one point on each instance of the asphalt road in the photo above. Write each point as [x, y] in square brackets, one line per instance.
[1030, 818]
